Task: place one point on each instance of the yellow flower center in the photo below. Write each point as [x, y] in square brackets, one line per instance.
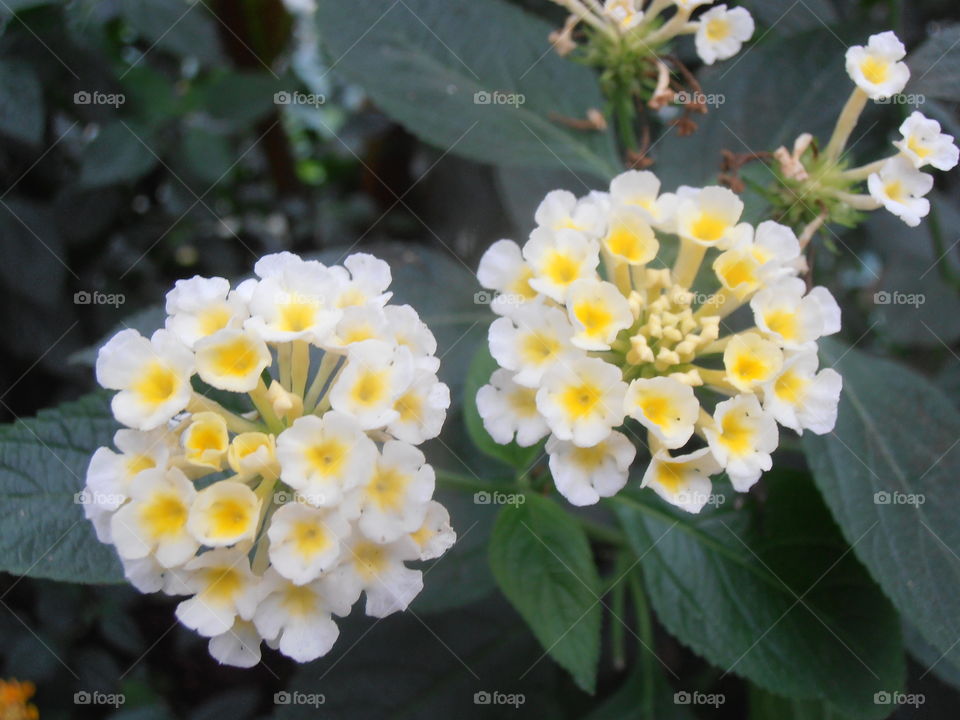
[718, 29]
[370, 388]
[789, 387]
[213, 319]
[410, 407]
[735, 434]
[387, 488]
[369, 559]
[164, 515]
[594, 317]
[238, 358]
[523, 401]
[223, 585]
[297, 316]
[157, 384]
[309, 538]
[782, 322]
[561, 269]
[229, 518]
[538, 348]
[875, 70]
[328, 457]
[709, 228]
[581, 400]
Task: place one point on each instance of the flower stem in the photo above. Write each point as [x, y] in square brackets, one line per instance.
[645, 628]
[846, 123]
[299, 366]
[688, 262]
[235, 423]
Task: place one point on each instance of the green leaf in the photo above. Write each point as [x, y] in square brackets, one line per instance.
[896, 441]
[542, 562]
[426, 64]
[779, 600]
[627, 702]
[767, 706]
[789, 16]
[935, 66]
[43, 462]
[481, 369]
[183, 30]
[120, 153]
[21, 103]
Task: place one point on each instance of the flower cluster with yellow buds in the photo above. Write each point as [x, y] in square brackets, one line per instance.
[603, 344]
[15, 700]
[894, 182]
[275, 505]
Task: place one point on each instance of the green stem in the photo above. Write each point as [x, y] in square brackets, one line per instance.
[645, 628]
[624, 111]
[618, 602]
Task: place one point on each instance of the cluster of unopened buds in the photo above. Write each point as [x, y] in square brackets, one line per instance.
[275, 505]
[613, 333]
[895, 182]
[719, 33]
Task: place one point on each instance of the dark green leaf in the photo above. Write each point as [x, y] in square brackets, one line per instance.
[767, 706]
[21, 103]
[935, 66]
[120, 153]
[43, 462]
[427, 65]
[889, 475]
[781, 602]
[542, 562]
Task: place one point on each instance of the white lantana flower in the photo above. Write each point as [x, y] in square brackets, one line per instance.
[923, 143]
[375, 377]
[582, 400]
[328, 496]
[561, 210]
[801, 398]
[509, 410]
[558, 259]
[900, 188]
[630, 237]
[722, 32]
[795, 320]
[682, 480]
[201, 306]
[750, 360]
[877, 68]
[531, 341]
[503, 269]
[598, 312]
[777, 250]
[641, 189]
[154, 522]
[742, 438]
[583, 475]
[709, 216]
[322, 458]
[305, 541]
[665, 406]
[625, 13]
[153, 377]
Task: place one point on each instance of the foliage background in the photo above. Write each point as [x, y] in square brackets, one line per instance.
[200, 171]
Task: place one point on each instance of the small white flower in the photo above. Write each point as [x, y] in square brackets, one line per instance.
[561, 210]
[742, 438]
[393, 502]
[683, 480]
[224, 588]
[305, 541]
[205, 441]
[153, 377]
[296, 617]
[509, 410]
[559, 258]
[801, 398]
[598, 312]
[411, 332]
[793, 320]
[750, 360]
[583, 475]
[435, 536]
[876, 68]
[201, 306]
[624, 13]
[293, 301]
[359, 323]
[154, 522]
[630, 238]
[149, 576]
[532, 340]
[375, 377]
[900, 187]
[923, 143]
[421, 410]
[369, 278]
[378, 570]
[665, 406]
[721, 33]
[777, 249]
[738, 269]
[641, 189]
[254, 453]
[709, 216]
[224, 513]
[503, 269]
[324, 457]
[582, 400]
[238, 647]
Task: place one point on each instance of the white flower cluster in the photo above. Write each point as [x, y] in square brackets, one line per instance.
[278, 514]
[897, 183]
[719, 33]
[599, 340]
